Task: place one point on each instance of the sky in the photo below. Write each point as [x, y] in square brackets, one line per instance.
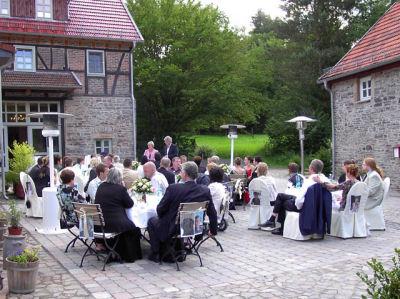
[241, 11]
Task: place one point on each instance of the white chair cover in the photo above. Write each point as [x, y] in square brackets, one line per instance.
[291, 229]
[260, 213]
[36, 203]
[375, 217]
[351, 222]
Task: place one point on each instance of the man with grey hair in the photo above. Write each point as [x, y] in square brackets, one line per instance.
[158, 181]
[164, 166]
[163, 227]
[170, 150]
[293, 199]
[117, 163]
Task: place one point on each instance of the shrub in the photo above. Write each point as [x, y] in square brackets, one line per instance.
[22, 158]
[204, 151]
[384, 284]
[14, 214]
[325, 155]
[186, 145]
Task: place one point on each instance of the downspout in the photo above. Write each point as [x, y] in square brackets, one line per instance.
[333, 145]
[134, 123]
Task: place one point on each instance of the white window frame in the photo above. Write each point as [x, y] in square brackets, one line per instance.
[103, 73]
[102, 145]
[361, 89]
[33, 49]
[44, 18]
[8, 9]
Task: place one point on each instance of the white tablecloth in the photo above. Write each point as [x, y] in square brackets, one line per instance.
[141, 212]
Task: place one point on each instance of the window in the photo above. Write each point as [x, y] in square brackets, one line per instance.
[95, 63]
[365, 89]
[25, 59]
[103, 146]
[4, 7]
[44, 9]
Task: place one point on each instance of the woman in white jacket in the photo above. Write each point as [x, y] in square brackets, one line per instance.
[374, 182]
[217, 190]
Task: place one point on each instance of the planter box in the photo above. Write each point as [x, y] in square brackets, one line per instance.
[22, 277]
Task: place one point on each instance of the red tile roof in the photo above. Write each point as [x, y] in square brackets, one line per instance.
[93, 19]
[51, 80]
[378, 47]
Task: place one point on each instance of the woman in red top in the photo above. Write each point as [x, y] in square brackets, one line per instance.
[249, 168]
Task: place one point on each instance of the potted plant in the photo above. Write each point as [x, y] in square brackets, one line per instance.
[22, 271]
[15, 216]
[3, 218]
[22, 157]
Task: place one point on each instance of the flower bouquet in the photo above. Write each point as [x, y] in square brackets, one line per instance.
[143, 187]
[225, 168]
[135, 165]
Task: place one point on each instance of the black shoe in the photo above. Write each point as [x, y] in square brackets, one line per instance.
[268, 224]
[277, 231]
[154, 257]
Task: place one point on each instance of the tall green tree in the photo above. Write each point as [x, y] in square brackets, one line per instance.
[192, 70]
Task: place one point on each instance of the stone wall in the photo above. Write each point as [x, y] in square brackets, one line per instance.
[99, 118]
[372, 128]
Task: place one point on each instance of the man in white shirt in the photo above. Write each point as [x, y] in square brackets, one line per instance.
[158, 180]
[102, 172]
[294, 201]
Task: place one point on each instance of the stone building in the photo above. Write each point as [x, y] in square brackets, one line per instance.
[72, 56]
[365, 97]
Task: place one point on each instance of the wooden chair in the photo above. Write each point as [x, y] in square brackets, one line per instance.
[94, 211]
[187, 243]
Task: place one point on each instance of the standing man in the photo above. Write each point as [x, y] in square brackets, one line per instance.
[170, 150]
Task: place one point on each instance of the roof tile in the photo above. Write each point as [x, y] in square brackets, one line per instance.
[380, 45]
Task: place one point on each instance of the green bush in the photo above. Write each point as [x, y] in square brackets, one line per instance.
[325, 155]
[204, 151]
[384, 284]
[186, 145]
[22, 158]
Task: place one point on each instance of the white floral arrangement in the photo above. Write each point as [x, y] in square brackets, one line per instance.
[225, 168]
[142, 186]
[135, 165]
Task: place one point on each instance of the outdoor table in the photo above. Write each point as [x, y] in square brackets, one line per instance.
[141, 212]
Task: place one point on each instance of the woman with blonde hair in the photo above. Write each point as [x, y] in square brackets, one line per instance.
[150, 152]
[374, 182]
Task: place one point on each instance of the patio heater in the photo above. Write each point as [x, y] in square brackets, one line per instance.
[301, 125]
[6, 58]
[51, 220]
[232, 131]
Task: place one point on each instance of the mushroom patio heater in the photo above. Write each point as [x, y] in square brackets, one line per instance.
[301, 125]
[232, 131]
[51, 221]
[6, 58]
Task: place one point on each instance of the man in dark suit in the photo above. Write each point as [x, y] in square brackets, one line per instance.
[163, 227]
[169, 175]
[170, 150]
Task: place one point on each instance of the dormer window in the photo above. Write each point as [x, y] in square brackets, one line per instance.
[25, 59]
[44, 9]
[4, 7]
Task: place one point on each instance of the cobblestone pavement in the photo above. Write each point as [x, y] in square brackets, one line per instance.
[255, 264]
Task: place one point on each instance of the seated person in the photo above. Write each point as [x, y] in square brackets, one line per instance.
[374, 182]
[163, 227]
[41, 175]
[176, 165]
[67, 194]
[158, 180]
[295, 179]
[351, 179]
[204, 178]
[164, 169]
[114, 199]
[216, 188]
[198, 160]
[129, 176]
[342, 177]
[94, 161]
[102, 172]
[294, 203]
[237, 167]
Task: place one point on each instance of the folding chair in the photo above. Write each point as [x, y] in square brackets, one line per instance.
[94, 211]
[182, 237]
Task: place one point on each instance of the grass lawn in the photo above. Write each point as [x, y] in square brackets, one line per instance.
[245, 145]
